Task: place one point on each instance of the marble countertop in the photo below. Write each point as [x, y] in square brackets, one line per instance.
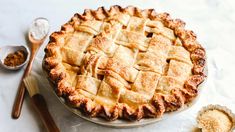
[212, 21]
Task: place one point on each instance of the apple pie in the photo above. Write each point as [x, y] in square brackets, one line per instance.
[125, 63]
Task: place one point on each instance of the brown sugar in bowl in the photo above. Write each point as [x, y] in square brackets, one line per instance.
[13, 57]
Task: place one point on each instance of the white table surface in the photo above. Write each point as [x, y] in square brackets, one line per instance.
[212, 20]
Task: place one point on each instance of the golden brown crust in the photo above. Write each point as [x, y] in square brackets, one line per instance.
[160, 102]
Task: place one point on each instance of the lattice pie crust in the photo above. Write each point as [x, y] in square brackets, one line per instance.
[125, 63]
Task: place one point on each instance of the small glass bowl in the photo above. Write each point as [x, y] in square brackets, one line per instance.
[5, 50]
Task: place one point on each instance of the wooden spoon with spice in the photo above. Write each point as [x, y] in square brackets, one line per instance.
[36, 35]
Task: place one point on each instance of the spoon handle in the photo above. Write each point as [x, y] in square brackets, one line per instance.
[41, 107]
[21, 90]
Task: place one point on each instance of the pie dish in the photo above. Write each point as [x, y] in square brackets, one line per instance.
[216, 118]
[125, 63]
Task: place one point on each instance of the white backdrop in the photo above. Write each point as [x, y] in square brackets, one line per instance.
[212, 21]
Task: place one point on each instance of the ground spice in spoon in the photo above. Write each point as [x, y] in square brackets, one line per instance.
[15, 59]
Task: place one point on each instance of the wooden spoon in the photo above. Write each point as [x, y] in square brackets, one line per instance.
[35, 45]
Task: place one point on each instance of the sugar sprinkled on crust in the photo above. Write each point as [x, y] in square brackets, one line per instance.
[160, 103]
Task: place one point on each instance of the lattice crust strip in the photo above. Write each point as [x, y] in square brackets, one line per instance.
[125, 63]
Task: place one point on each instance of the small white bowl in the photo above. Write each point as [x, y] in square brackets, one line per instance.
[5, 50]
